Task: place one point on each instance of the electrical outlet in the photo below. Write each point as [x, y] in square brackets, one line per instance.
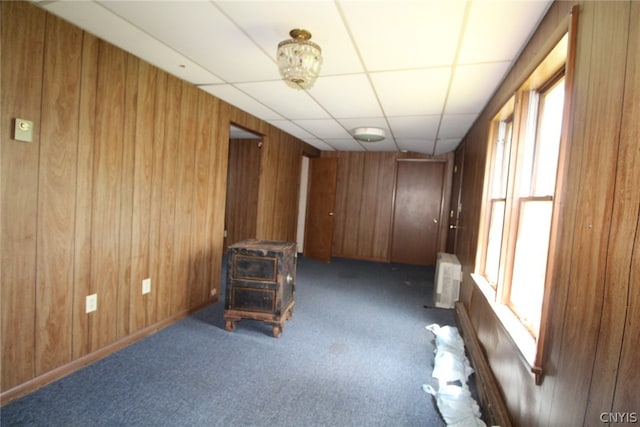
[92, 303]
[146, 286]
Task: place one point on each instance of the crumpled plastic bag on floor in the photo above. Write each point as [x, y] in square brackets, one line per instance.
[452, 370]
[456, 405]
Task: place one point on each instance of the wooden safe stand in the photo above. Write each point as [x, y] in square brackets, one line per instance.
[261, 277]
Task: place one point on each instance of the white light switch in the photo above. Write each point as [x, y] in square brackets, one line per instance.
[146, 286]
[92, 303]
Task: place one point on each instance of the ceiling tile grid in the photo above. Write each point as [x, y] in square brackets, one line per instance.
[422, 70]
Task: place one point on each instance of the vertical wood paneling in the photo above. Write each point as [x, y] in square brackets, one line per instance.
[267, 187]
[21, 67]
[591, 361]
[626, 396]
[217, 192]
[364, 203]
[56, 194]
[616, 376]
[279, 178]
[126, 163]
[168, 208]
[568, 201]
[348, 201]
[200, 271]
[127, 188]
[243, 180]
[105, 242]
[594, 208]
[288, 183]
[155, 231]
[83, 197]
[142, 186]
[184, 197]
[374, 228]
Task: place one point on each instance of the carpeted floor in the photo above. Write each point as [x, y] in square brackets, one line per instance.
[355, 353]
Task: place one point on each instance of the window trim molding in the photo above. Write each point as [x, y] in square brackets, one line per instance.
[532, 351]
[556, 221]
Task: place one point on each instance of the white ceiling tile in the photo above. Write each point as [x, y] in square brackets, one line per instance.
[320, 144]
[104, 24]
[228, 48]
[385, 145]
[490, 20]
[445, 146]
[396, 34]
[357, 98]
[345, 144]
[291, 103]
[292, 129]
[269, 23]
[212, 38]
[455, 125]
[415, 126]
[412, 93]
[241, 100]
[323, 129]
[473, 85]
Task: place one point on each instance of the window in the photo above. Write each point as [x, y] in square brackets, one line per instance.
[497, 198]
[533, 204]
[517, 227]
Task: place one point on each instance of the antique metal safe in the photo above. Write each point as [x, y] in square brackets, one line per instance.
[261, 277]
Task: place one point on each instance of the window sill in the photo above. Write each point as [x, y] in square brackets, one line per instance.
[520, 336]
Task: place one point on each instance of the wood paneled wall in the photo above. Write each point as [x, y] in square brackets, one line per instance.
[591, 359]
[242, 190]
[365, 200]
[125, 180]
[280, 165]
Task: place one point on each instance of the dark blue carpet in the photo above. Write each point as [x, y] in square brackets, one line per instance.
[355, 353]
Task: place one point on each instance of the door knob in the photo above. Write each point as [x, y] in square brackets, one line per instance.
[330, 213]
[452, 226]
[435, 220]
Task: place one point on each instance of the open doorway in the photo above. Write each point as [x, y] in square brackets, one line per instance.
[243, 180]
[302, 203]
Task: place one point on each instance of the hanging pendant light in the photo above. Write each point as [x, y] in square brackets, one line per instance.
[299, 60]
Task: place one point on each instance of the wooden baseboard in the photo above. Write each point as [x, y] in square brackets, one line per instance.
[75, 365]
[491, 402]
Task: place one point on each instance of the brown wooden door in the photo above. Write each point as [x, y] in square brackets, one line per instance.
[419, 189]
[455, 206]
[320, 207]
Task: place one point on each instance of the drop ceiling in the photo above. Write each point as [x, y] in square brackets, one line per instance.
[422, 70]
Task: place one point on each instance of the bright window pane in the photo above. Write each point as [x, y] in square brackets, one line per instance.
[501, 160]
[530, 262]
[492, 263]
[551, 105]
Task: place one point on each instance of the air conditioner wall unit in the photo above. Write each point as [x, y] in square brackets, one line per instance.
[447, 280]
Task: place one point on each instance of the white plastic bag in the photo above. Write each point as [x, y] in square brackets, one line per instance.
[455, 403]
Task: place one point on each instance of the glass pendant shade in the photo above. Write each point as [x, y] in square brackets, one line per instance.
[299, 60]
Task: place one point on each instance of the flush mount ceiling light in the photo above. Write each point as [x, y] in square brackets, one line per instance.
[299, 59]
[368, 134]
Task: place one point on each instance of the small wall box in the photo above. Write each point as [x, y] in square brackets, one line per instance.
[261, 277]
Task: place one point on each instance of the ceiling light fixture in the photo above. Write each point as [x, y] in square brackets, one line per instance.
[299, 59]
[368, 134]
